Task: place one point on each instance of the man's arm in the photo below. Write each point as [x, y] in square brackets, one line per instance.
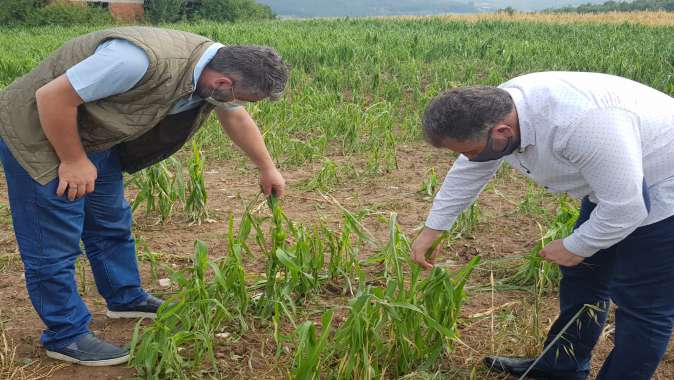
[114, 68]
[606, 147]
[57, 104]
[460, 189]
[241, 128]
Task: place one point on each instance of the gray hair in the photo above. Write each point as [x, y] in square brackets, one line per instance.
[465, 113]
[258, 71]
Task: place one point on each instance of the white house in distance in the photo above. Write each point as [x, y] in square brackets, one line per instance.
[121, 9]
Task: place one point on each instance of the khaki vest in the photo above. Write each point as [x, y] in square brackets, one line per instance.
[111, 121]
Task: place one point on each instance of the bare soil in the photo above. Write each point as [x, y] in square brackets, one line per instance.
[502, 233]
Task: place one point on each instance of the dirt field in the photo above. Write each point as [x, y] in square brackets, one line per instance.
[492, 323]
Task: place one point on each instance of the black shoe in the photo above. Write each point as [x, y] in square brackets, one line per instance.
[515, 366]
[144, 309]
[90, 351]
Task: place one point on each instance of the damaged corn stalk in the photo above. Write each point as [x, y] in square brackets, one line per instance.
[213, 297]
[295, 268]
[539, 273]
[182, 336]
[160, 187]
[405, 325]
[325, 179]
[396, 329]
[195, 205]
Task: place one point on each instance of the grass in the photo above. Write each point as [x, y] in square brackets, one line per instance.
[8, 261]
[5, 215]
[11, 367]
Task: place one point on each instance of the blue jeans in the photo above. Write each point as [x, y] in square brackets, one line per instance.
[48, 230]
[638, 275]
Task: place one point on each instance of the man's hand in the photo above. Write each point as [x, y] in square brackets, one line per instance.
[556, 253]
[78, 177]
[272, 182]
[422, 244]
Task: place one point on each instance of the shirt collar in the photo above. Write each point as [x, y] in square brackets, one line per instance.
[205, 59]
[527, 131]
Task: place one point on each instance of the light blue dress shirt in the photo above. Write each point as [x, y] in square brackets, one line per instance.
[118, 65]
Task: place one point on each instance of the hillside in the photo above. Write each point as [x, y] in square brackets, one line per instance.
[623, 6]
[341, 8]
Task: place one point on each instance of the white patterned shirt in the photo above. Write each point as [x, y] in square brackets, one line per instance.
[585, 134]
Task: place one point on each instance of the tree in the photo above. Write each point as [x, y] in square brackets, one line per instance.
[232, 10]
[157, 11]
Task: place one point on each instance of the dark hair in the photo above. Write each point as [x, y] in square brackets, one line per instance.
[465, 113]
[257, 70]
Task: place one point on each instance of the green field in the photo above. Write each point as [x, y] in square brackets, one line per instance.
[325, 288]
[358, 83]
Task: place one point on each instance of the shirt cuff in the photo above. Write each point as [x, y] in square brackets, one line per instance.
[230, 107]
[439, 222]
[575, 245]
[78, 86]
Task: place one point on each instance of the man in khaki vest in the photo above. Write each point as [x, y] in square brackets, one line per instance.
[107, 102]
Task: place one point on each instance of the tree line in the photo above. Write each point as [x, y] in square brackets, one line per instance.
[622, 6]
[61, 12]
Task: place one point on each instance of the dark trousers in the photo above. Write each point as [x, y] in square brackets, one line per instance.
[637, 274]
[48, 231]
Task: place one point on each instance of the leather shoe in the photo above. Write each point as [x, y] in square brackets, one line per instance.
[516, 366]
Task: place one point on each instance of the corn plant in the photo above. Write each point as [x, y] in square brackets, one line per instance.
[309, 354]
[230, 276]
[195, 205]
[160, 187]
[536, 271]
[267, 301]
[343, 262]
[303, 261]
[358, 341]
[430, 184]
[532, 204]
[422, 312]
[392, 331]
[443, 296]
[466, 222]
[400, 327]
[293, 270]
[382, 157]
[182, 336]
[145, 253]
[325, 179]
[395, 252]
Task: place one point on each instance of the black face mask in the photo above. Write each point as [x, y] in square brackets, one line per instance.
[489, 154]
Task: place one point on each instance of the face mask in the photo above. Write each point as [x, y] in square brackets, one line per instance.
[489, 154]
[224, 101]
